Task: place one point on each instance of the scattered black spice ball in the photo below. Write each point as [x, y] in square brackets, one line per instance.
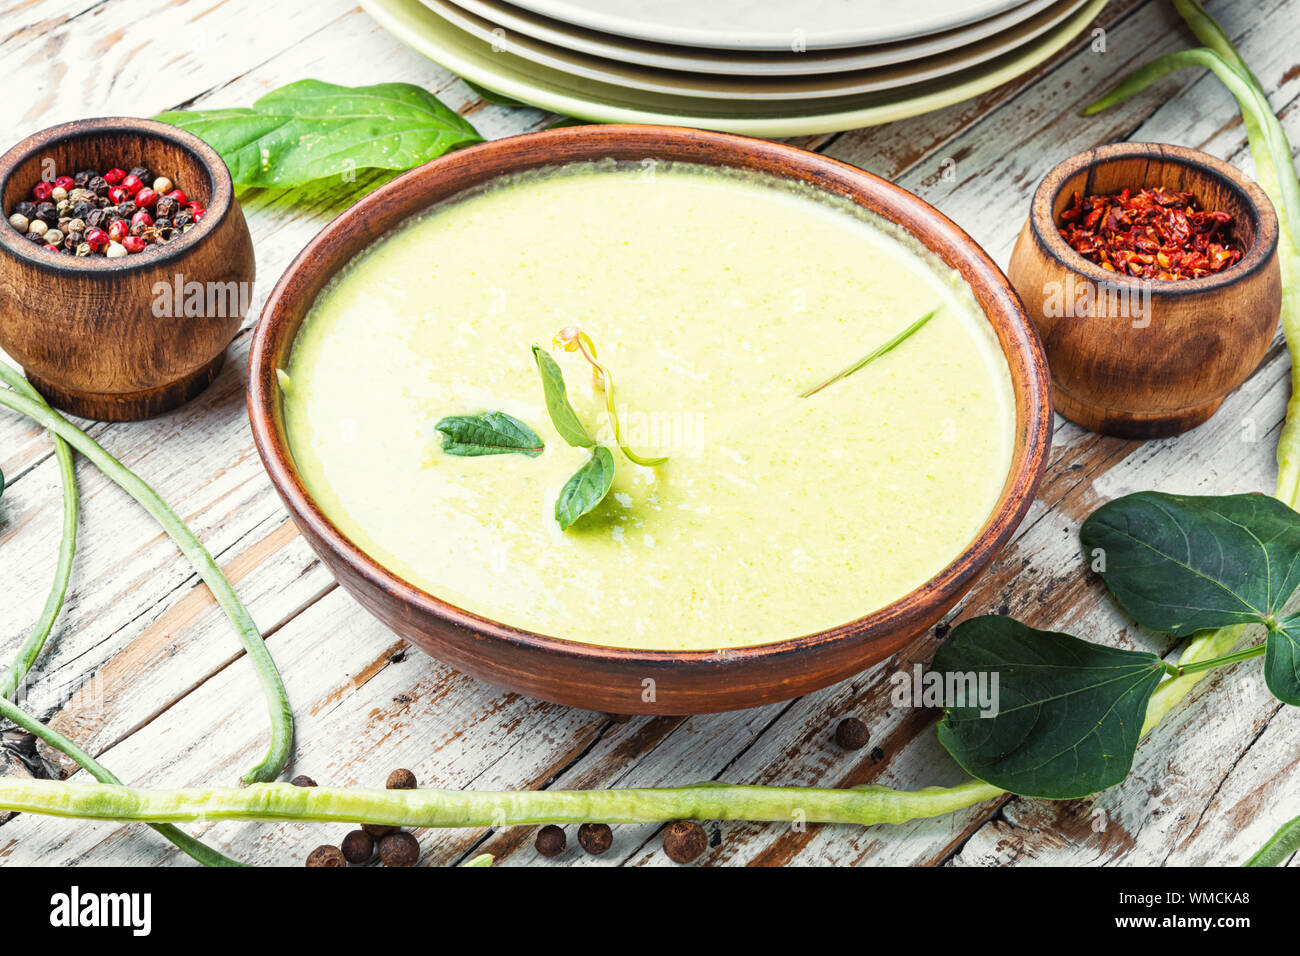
[595, 838]
[684, 841]
[326, 856]
[401, 779]
[358, 846]
[399, 849]
[377, 830]
[302, 780]
[851, 734]
[551, 840]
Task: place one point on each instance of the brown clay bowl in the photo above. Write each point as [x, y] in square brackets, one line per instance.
[1148, 358]
[612, 679]
[127, 338]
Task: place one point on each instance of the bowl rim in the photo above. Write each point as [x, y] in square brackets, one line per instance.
[1032, 431]
[218, 207]
[1264, 218]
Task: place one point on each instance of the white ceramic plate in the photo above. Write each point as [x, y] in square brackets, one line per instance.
[710, 86]
[596, 102]
[664, 56]
[768, 24]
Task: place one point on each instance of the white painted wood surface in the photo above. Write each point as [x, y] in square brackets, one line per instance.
[166, 699]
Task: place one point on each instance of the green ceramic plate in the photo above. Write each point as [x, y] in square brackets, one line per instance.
[598, 102]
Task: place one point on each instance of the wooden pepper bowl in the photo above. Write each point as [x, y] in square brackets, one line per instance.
[127, 338]
[1148, 358]
[607, 678]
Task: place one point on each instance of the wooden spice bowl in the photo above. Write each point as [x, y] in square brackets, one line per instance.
[607, 678]
[1142, 358]
[123, 339]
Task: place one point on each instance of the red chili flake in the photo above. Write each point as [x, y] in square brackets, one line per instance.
[1153, 234]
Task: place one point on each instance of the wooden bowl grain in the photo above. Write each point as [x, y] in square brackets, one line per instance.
[1148, 358]
[615, 679]
[100, 337]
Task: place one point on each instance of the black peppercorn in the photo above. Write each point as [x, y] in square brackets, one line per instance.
[302, 780]
[125, 210]
[595, 838]
[95, 218]
[326, 856]
[81, 210]
[141, 173]
[399, 849]
[183, 219]
[72, 240]
[684, 841]
[25, 209]
[401, 779]
[83, 177]
[98, 185]
[166, 207]
[851, 734]
[550, 840]
[47, 213]
[358, 846]
[378, 830]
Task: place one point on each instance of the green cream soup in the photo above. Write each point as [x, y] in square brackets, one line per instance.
[714, 300]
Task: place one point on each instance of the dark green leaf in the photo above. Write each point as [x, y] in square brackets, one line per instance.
[1181, 563]
[492, 433]
[310, 129]
[492, 96]
[1282, 661]
[563, 417]
[1069, 713]
[586, 488]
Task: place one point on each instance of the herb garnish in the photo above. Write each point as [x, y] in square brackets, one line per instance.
[563, 417]
[874, 354]
[491, 433]
[586, 489]
[573, 339]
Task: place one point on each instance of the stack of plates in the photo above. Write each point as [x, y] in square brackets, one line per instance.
[762, 67]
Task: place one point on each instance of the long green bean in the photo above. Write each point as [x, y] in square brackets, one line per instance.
[281, 715]
[1279, 846]
[31, 648]
[186, 843]
[461, 808]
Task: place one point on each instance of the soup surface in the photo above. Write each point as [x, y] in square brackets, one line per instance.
[714, 299]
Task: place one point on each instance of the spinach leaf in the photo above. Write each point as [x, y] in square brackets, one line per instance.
[491, 433]
[563, 417]
[1069, 713]
[586, 488]
[1282, 661]
[309, 129]
[1180, 563]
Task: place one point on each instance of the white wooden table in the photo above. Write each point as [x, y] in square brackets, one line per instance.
[145, 673]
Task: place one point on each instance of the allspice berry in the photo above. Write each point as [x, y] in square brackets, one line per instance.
[326, 856]
[378, 830]
[851, 734]
[401, 779]
[399, 849]
[302, 780]
[595, 838]
[684, 841]
[551, 840]
[358, 846]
